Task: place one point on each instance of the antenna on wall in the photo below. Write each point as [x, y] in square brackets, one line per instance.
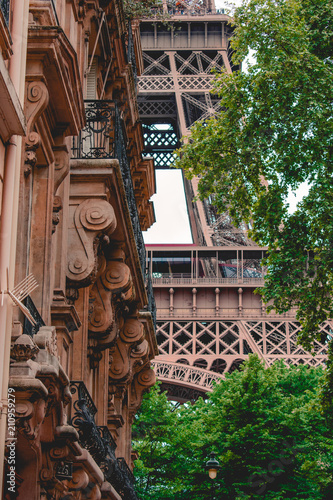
[20, 292]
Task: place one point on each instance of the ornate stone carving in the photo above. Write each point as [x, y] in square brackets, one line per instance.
[130, 335]
[141, 383]
[115, 279]
[139, 356]
[132, 331]
[24, 349]
[29, 417]
[50, 483]
[91, 219]
[46, 338]
[37, 98]
[57, 206]
[76, 486]
[61, 165]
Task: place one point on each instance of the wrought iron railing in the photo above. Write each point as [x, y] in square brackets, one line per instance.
[82, 418]
[96, 139]
[103, 137]
[121, 155]
[131, 55]
[126, 470]
[99, 442]
[151, 299]
[28, 328]
[194, 12]
[109, 463]
[4, 4]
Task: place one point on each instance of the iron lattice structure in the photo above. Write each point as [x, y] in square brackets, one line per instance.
[175, 91]
[208, 317]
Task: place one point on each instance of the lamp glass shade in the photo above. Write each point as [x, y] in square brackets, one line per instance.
[212, 473]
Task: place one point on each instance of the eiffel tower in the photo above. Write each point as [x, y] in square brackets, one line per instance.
[208, 317]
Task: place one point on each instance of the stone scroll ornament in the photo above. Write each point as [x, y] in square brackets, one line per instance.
[91, 219]
[61, 165]
[130, 336]
[37, 99]
[116, 279]
[141, 383]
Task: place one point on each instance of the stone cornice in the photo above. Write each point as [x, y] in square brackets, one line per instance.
[50, 54]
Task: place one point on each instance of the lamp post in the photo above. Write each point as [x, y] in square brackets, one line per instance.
[212, 466]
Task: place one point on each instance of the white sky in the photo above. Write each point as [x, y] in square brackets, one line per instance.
[172, 224]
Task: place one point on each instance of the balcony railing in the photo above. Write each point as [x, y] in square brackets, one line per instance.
[126, 470]
[151, 299]
[103, 137]
[30, 329]
[131, 55]
[82, 418]
[99, 442]
[5, 9]
[183, 279]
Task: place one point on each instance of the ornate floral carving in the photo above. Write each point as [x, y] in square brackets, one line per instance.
[24, 349]
[92, 218]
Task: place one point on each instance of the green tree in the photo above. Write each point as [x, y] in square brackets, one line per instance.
[274, 132]
[265, 424]
[138, 9]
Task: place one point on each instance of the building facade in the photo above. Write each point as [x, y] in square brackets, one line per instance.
[77, 310]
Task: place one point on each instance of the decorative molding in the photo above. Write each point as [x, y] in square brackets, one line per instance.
[91, 219]
[130, 335]
[57, 207]
[61, 165]
[141, 384]
[115, 279]
[24, 348]
[37, 99]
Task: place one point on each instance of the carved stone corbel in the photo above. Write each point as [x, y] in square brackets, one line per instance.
[30, 393]
[57, 207]
[37, 98]
[140, 384]
[139, 356]
[116, 279]
[130, 336]
[61, 165]
[52, 457]
[93, 218]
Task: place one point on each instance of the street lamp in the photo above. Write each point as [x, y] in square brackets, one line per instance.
[212, 465]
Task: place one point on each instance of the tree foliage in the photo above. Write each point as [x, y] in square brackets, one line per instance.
[274, 132]
[138, 9]
[266, 426]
